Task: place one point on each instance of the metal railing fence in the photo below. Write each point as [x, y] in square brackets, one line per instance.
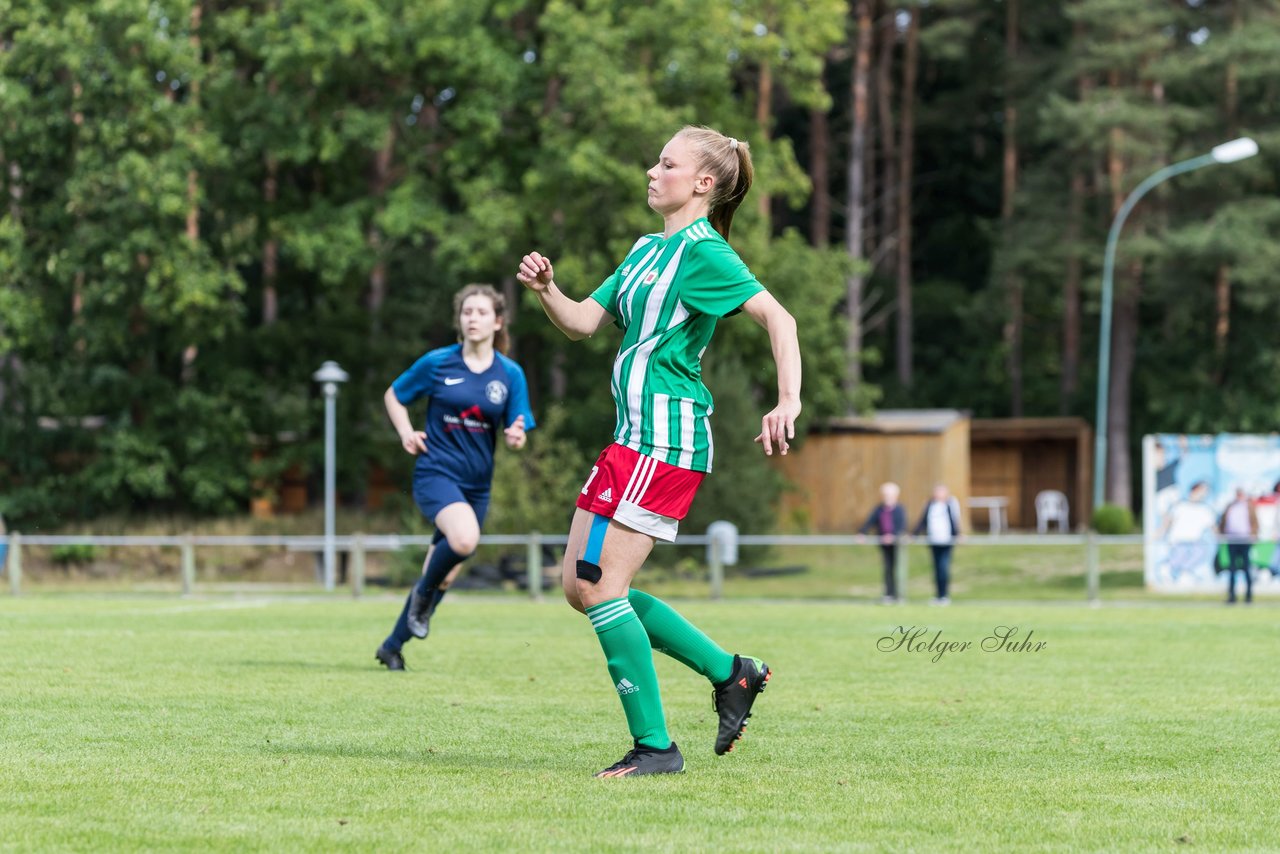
[357, 546]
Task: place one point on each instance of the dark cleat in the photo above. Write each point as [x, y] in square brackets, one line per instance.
[643, 759]
[734, 697]
[391, 658]
[420, 608]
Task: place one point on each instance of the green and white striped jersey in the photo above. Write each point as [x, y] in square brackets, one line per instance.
[666, 297]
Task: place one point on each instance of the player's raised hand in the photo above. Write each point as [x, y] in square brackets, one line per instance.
[515, 434]
[414, 442]
[778, 426]
[536, 272]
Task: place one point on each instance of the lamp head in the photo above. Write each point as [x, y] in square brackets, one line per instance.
[330, 373]
[1236, 149]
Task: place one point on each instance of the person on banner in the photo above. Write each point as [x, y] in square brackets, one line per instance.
[1266, 554]
[1190, 528]
[666, 296]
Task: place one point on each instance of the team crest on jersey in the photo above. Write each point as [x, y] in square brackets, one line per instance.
[651, 277]
[496, 391]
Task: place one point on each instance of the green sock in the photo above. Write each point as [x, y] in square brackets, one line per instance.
[682, 640]
[630, 660]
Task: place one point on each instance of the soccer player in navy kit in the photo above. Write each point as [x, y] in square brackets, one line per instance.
[473, 392]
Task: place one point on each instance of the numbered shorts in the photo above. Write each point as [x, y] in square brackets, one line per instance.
[640, 492]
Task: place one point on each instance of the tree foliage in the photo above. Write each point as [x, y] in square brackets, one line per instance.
[201, 200]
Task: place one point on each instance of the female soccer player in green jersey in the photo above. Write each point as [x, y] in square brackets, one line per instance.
[666, 296]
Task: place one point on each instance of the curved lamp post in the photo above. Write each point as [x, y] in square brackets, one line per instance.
[330, 376]
[1228, 152]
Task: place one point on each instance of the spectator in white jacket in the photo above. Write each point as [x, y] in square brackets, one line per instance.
[940, 523]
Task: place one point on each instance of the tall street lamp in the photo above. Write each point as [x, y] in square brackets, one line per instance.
[1228, 152]
[330, 376]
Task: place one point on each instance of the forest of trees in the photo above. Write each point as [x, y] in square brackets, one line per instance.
[202, 200]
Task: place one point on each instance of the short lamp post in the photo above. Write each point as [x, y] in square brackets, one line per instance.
[329, 376]
[1228, 152]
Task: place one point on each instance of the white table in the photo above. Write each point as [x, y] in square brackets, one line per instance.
[997, 511]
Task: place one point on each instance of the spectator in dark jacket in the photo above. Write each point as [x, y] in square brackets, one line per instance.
[940, 523]
[889, 519]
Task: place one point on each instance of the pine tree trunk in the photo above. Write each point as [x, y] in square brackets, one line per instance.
[191, 351]
[887, 193]
[1124, 351]
[271, 247]
[559, 375]
[77, 284]
[511, 290]
[1222, 281]
[1071, 295]
[1222, 322]
[855, 203]
[819, 177]
[1124, 328]
[905, 178]
[1009, 189]
[764, 107]
[379, 184]
[1071, 287]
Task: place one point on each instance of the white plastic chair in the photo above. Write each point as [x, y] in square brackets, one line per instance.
[1051, 506]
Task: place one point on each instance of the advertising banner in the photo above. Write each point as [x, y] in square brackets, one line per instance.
[1189, 482]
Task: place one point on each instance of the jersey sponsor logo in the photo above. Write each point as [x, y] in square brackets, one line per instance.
[606, 496]
[626, 271]
[496, 391]
[470, 419]
[454, 380]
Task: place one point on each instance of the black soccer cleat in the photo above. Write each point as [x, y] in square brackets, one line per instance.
[733, 698]
[390, 658]
[643, 759]
[419, 617]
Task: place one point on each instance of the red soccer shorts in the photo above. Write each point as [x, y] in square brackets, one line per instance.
[640, 492]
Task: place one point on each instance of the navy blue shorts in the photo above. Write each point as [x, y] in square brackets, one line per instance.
[435, 492]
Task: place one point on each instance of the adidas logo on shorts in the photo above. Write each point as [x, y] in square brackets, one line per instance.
[607, 495]
[625, 687]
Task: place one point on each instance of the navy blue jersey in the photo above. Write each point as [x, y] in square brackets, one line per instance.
[465, 413]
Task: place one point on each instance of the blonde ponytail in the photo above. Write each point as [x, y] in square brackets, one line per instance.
[729, 162]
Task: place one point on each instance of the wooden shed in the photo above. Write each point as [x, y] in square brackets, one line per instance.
[1018, 457]
[838, 471]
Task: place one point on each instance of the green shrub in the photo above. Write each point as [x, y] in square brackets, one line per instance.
[405, 565]
[69, 555]
[1113, 519]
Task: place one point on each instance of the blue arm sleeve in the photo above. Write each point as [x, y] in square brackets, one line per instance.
[416, 382]
[518, 400]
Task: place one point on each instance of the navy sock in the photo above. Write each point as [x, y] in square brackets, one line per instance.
[401, 632]
[443, 559]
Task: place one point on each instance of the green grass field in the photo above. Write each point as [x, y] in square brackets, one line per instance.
[134, 722]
